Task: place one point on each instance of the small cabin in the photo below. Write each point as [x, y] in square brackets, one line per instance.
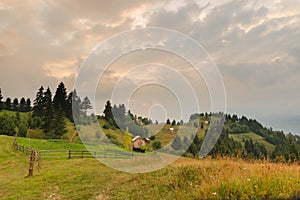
[138, 143]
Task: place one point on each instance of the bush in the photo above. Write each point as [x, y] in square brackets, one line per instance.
[156, 145]
[152, 137]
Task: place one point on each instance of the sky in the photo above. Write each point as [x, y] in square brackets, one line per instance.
[254, 44]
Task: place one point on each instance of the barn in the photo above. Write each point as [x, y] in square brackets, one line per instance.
[139, 142]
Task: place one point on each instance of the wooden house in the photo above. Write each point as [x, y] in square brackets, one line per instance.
[138, 143]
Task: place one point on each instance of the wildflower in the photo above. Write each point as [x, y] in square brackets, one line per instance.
[214, 193]
[248, 179]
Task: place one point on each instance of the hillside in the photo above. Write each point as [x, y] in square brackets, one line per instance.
[184, 179]
[249, 138]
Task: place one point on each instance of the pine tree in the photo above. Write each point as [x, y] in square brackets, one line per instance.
[47, 118]
[69, 113]
[28, 105]
[108, 115]
[8, 104]
[173, 123]
[76, 107]
[86, 105]
[168, 121]
[38, 107]
[15, 104]
[58, 123]
[60, 97]
[22, 105]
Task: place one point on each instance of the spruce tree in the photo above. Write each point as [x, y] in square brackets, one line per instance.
[86, 105]
[58, 123]
[173, 123]
[15, 104]
[22, 105]
[76, 107]
[28, 105]
[60, 97]
[168, 121]
[108, 111]
[47, 117]
[8, 104]
[38, 107]
[68, 112]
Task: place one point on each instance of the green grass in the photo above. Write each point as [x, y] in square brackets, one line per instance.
[50, 144]
[184, 179]
[23, 116]
[256, 138]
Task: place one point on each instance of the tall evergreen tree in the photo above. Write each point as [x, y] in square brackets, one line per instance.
[58, 123]
[173, 122]
[76, 106]
[15, 104]
[108, 115]
[47, 118]
[68, 112]
[38, 107]
[8, 104]
[168, 121]
[28, 105]
[86, 105]
[60, 97]
[22, 107]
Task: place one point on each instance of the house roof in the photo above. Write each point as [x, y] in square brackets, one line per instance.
[136, 137]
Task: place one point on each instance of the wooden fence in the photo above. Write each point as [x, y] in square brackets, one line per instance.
[68, 154]
[38, 155]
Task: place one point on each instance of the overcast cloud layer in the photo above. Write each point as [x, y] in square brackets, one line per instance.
[255, 44]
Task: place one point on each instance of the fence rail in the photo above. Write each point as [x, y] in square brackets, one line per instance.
[38, 155]
[69, 154]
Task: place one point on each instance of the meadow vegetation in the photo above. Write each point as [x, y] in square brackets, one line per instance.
[218, 178]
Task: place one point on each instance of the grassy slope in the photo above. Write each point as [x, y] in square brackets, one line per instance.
[23, 116]
[256, 138]
[185, 179]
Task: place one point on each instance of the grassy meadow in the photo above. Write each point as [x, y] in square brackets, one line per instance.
[185, 179]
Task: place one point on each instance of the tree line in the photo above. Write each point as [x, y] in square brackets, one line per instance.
[24, 105]
[49, 112]
[287, 146]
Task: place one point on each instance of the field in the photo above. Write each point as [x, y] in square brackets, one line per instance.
[185, 179]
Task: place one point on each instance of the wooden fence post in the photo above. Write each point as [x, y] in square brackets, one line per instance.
[70, 154]
[39, 160]
[15, 139]
[31, 163]
[95, 153]
[82, 154]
